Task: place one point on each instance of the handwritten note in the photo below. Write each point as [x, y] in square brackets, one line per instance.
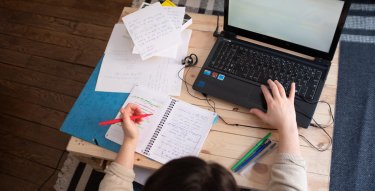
[120, 74]
[176, 16]
[151, 30]
[176, 52]
[149, 104]
[183, 133]
[175, 129]
[121, 69]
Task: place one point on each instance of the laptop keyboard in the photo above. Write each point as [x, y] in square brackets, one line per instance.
[260, 66]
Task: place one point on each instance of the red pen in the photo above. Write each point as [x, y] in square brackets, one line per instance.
[113, 121]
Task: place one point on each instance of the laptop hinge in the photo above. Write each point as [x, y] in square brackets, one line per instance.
[227, 34]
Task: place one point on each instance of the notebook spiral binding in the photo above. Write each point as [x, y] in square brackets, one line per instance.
[160, 126]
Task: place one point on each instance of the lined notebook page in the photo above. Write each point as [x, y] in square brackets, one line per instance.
[183, 133]
[149, 103]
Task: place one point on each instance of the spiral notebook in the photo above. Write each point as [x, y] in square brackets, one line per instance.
[176, 128]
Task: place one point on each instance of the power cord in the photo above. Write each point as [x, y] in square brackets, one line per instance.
[216, 33]
[318, 125]
[192, 60]
[312, 145]
[315, 102]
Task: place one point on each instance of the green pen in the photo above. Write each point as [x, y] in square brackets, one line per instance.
[248, 154]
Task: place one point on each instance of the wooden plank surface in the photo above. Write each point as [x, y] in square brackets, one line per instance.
[24, 169]
[9, 182]
[69, 13]
[48, 50]
[34, 132]
[30, 150]
[226, 144]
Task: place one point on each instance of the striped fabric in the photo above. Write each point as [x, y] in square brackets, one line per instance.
[353, 152]
[360, 24]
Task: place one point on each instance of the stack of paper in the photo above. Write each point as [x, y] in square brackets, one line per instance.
[155, 33]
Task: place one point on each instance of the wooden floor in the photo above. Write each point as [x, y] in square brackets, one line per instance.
[48, 49]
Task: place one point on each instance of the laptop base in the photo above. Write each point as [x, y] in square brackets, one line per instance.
[215, 83]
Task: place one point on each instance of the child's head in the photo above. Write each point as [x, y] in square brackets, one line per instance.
[191, 173]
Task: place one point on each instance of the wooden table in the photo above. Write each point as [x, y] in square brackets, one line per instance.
[226, 144]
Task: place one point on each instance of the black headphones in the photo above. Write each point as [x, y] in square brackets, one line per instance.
[190, 60]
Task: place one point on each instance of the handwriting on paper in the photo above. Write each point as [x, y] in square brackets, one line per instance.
[176, 16]
[121, 70]
[148, 104]
[175, 129]
[151, 30]
[183, 133]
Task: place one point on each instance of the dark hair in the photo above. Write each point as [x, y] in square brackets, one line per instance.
[191, 173]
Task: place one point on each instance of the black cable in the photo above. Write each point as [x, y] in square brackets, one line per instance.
[55, 170]
[329, 137]
[186, 83]
[216, 33]
[315, 102]
[330, 112]
[213, 102]
[240, 125]
[320, 101]
[318, 125]
[189, 65]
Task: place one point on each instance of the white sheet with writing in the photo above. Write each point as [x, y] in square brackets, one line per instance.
[181, 51]
[150, 103]
[151, 30]
[182, 134]
[176, 15]
[119, 74]
[121, 69]
[120, 43]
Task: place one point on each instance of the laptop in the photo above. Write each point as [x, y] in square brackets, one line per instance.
[235, 68]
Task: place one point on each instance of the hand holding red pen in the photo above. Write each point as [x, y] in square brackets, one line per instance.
[125, 156]
[119, 120]
[128, 125]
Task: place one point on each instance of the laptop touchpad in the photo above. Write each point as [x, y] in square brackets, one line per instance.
[256, 98]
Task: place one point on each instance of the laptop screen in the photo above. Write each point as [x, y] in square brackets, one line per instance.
[309, 23]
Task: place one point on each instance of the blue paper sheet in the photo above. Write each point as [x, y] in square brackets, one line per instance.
[91, 108]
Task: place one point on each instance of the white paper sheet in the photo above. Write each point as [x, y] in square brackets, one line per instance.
[119, 73]
[150, 103]
[183, 48]
[183, 133]
[176, 128]
[176, 15]
[119, 41]
[121, 69]
[181, 51]
[151, 30]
